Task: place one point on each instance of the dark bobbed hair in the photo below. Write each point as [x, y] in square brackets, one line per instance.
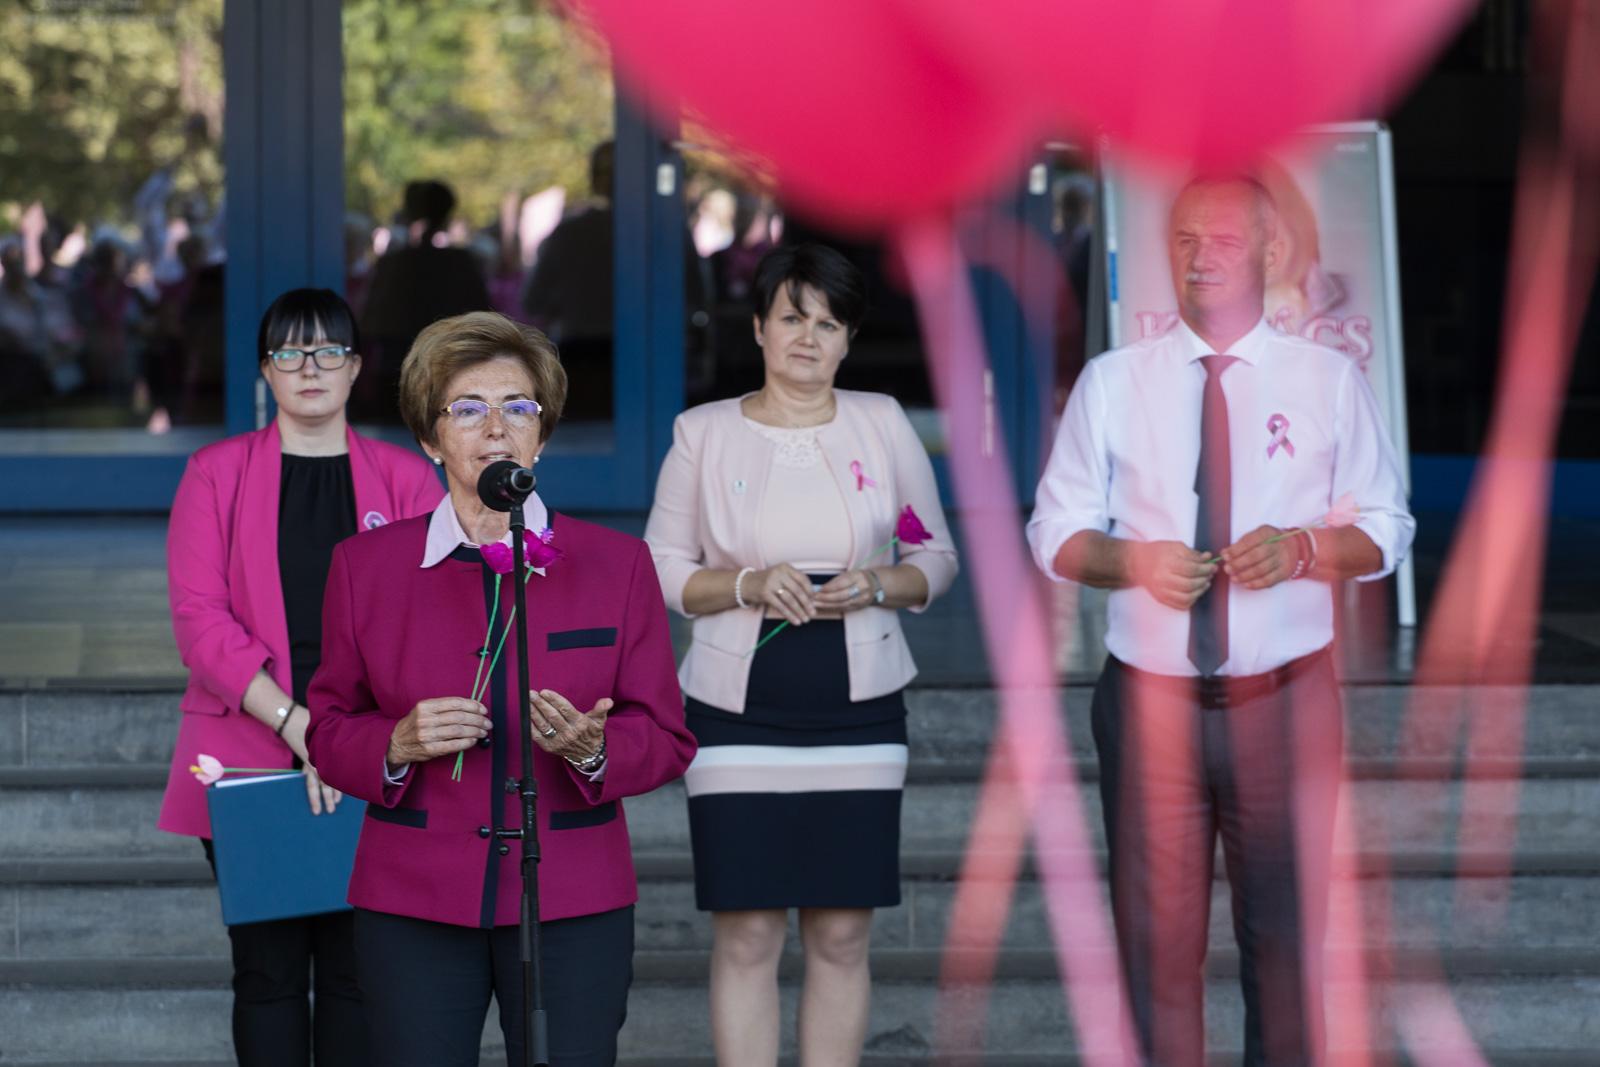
[795, 266]
[301, 314]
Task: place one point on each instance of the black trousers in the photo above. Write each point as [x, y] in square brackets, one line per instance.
[1179, 768]
[428, 986]
[275, 966]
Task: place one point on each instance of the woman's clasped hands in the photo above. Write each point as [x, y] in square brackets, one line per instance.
[787, 592]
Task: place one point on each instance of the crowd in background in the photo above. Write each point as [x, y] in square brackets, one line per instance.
[119, 325]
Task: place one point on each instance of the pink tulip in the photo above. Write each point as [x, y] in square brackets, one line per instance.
[909, 530]
[541, 550]
[1344, 512]
[498, 557]
[207, 769]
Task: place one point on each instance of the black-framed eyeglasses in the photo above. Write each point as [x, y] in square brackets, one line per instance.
[470, 413]
[326, 357]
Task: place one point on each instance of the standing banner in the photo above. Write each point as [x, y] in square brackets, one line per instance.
[1337, 279]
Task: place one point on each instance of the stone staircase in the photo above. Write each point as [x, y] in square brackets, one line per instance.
[112, 950]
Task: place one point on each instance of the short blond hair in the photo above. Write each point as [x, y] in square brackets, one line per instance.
[451, 345]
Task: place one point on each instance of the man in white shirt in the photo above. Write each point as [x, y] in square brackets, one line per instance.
[1180, 464]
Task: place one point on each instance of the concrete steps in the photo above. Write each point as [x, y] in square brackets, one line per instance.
[111, 948]
[182, 1013]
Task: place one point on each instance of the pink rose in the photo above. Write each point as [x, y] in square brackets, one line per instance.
[498, 557]
[542, 551]
[909, 530]
[1343, 513]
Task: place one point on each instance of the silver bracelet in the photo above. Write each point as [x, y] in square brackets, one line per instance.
[738, 587]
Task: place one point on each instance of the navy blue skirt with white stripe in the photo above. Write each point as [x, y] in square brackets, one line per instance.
[796, 802]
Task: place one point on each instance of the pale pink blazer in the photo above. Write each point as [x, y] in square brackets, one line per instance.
[227, 595]
[708, 500]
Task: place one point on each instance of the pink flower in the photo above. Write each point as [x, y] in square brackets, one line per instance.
[498, 557]
[541, 551]
[1343, 513]
[909, 530]
[206, 768]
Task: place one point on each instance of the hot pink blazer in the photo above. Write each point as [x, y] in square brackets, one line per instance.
[395, 633]
[708, 503]
[227, 596]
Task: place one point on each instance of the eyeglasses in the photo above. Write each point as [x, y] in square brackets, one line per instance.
[518, 414]
[328, 357]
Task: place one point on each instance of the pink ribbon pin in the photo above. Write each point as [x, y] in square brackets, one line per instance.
[1278, 427]
[862, 481]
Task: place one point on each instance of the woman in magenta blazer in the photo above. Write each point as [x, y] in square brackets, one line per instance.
[413, 618]
[252, 529]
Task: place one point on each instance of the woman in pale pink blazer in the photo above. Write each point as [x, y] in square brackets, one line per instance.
[772, 526]
[248, 547]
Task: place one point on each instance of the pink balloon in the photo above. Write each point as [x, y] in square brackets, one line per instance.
[1209, 83]
[865, 123]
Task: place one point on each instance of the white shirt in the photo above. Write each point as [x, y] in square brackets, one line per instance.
[1124, 463]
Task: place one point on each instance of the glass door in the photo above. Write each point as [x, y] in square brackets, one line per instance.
[733, 215]
[112, 250]
[489, 164]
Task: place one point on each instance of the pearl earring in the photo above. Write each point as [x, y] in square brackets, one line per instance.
[536, 459]
[438, 461]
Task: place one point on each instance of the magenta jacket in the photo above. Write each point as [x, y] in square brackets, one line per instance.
[394, 633]
[227, 596]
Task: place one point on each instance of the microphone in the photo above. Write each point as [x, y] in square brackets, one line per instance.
[504, 485]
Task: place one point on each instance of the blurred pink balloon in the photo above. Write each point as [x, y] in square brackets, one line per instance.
[866, 124]
[881, 112]
[1207, 83]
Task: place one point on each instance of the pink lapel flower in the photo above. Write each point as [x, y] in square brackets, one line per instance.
[206, 768]
[1344, 512]
[909, 530]
[541, 550]
[497, 556]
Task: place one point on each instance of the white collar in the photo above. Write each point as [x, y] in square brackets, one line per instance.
[1250, 348]
[445, 532]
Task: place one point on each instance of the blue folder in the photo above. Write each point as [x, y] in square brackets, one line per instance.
[276, 860]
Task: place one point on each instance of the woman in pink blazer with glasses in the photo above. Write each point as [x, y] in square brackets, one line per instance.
[248, 547]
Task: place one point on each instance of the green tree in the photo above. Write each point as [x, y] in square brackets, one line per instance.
[94, 98]
[491, 96]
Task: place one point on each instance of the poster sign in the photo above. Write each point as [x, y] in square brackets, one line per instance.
[1336, 280]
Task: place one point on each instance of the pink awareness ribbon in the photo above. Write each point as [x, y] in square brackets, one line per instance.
[862, 481]
[1278, 427]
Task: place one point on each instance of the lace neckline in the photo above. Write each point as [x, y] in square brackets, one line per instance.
[796, 448]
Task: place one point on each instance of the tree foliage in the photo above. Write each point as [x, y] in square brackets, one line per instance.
[492, 96]
[95, 97]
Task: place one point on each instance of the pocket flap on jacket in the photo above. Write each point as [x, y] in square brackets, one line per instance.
[416, 818]
[598, 637]
[584, 818]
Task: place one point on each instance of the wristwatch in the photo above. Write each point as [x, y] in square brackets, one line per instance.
[877, 587]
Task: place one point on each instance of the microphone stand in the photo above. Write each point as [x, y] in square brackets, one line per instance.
[504, 486]
[535, 1025]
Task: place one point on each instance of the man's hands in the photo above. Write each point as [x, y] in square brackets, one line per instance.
[1254, 564]
[1172, 572]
